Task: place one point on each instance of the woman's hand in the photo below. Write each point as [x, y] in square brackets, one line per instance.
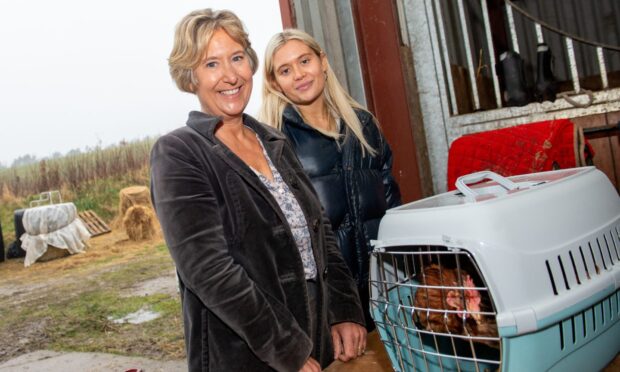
[349, 340]
[311, 366]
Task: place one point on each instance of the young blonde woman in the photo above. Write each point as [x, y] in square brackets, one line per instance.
[337, 141]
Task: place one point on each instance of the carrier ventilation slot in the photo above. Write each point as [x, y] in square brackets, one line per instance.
[555, 291]
[563, 273]
[614, 244]
[605, 247]
[419, 298]
[582, 327]
[572, 260]
[577, 266]
[599, 250]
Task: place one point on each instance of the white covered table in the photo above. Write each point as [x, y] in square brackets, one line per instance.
[54, 225]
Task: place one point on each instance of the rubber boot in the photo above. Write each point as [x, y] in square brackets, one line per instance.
[546, 86]
[515, 88]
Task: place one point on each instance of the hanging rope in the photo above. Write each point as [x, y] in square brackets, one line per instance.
[588, 93]
[561, 32]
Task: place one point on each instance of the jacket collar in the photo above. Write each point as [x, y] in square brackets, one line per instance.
[205, 124]
[272, 139]
[293, 117]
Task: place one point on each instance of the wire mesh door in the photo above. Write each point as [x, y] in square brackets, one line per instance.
[433, 310]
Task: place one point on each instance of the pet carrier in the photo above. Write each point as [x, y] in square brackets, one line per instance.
[513, 274]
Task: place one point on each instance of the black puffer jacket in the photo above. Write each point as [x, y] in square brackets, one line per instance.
[354, 190]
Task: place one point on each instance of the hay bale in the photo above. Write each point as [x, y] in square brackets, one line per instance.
[127, 198]
[139, 223]
[131, 196]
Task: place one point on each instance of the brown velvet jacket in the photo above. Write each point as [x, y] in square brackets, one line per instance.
[244, 297]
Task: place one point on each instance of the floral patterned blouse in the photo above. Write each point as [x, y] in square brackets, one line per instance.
[293, 214]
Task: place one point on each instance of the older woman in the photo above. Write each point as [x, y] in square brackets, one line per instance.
[338, 142]
[262, 280]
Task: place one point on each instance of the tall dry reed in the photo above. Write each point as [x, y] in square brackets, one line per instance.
[71, 171]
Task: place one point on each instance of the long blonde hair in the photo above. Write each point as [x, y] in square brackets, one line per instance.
[337, 99]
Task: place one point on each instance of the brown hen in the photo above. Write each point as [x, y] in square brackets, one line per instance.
[443, 310]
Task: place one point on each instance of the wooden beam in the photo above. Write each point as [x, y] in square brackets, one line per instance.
[379, 43]
[287, 13]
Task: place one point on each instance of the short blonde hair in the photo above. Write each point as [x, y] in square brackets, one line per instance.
[191, 38]
[337, 99]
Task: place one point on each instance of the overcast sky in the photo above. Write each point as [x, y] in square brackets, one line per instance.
[76, 73]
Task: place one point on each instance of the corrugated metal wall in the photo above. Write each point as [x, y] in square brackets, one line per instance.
[593, 20]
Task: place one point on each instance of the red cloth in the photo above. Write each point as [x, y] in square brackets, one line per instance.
[527, 148]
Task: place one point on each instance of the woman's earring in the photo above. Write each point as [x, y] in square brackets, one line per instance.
[325, 73]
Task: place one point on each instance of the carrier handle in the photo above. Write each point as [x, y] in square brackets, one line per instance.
[470, 194]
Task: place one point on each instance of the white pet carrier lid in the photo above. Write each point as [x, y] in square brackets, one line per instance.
[529, 211]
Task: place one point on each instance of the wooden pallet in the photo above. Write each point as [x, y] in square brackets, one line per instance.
[94, 223]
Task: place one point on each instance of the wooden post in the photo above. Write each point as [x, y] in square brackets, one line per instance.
[379, 43]
[288, 14]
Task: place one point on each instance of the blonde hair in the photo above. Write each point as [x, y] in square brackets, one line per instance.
[191, 38]
[337, 99]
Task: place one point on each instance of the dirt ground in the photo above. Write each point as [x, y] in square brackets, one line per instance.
[51, 361]
[21, 282]
[45, 283]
